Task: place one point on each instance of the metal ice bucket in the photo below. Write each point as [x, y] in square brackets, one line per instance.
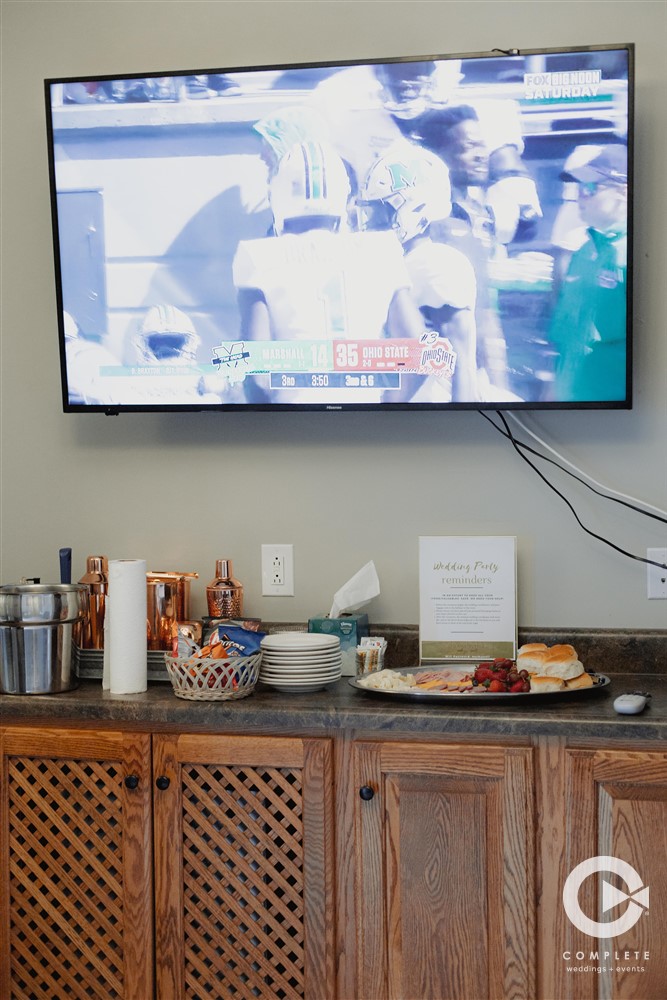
[168, 601]
[39, 626]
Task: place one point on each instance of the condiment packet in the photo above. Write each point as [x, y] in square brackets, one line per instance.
[370, 655]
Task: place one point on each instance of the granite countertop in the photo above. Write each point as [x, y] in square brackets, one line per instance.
[576, 716]
[634, 660]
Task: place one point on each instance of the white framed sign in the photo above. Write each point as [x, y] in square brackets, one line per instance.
[467, 597]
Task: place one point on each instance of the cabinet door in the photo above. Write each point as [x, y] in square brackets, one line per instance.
[616, 807]
[244, 867]
[75, 854]
[444, 853]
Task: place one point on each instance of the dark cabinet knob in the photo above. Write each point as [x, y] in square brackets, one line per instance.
[366, 793]
[162, 782]
[132, 781]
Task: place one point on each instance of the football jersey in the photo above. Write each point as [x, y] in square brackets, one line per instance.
[441, 276]
[321, 285]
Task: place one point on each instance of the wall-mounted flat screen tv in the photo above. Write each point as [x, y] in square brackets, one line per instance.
[435, 232]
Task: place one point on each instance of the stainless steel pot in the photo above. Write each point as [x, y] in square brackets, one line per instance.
[39, 626]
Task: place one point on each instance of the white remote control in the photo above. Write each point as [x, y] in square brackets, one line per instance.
[631, 704]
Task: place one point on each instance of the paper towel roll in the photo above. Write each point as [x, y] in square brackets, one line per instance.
[126, 610]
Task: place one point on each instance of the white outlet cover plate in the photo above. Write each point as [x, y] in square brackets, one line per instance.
[656, 577]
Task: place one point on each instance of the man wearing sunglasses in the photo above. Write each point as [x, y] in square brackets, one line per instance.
[589, 323]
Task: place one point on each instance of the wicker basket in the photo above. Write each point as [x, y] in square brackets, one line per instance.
[208, 679]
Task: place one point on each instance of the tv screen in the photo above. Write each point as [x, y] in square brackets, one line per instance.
[441, 232]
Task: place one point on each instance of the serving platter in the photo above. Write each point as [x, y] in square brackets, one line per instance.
[477, 696]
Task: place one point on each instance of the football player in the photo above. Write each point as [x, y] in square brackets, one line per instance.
[471, 228]
[164, 363]
[317, 280]
[408, 190]
[369, 107]
[87, 360]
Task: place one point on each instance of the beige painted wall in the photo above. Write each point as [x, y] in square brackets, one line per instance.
[181, 490]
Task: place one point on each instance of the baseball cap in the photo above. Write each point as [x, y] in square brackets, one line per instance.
[611, 164]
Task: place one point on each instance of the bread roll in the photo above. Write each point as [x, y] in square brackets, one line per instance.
[531, 660]
[582, 681]
[564, 650]
[561, 661]
[545, 685]
[549, 661]
[529, 655]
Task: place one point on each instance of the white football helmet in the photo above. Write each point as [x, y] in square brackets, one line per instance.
[405, 87]
[408, 89]
[406, 190]
[167, 336]
[311, 182]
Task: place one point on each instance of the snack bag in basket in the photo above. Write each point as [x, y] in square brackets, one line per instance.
[228, 640]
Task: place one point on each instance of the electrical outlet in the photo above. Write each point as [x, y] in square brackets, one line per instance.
[657, 577]
[278, 570]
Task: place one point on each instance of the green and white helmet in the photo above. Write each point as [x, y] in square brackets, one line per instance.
[311, 182]
[406, 190]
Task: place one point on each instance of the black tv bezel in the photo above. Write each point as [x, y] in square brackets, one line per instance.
[625, 404]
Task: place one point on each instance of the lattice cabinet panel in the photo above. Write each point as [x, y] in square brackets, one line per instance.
[76, 875]
[250, 821]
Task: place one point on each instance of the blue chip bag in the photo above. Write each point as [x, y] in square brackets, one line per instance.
[236, 640]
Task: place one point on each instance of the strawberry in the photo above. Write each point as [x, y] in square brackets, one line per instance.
[497, 685]
[483, 673]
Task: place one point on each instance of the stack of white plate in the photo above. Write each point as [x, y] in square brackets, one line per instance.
[300, 661]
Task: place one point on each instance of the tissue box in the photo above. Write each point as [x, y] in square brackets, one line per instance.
[349, 629]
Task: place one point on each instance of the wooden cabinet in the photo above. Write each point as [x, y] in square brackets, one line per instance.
[445, 861]
[603, 802]
[238, 834]
[192, 866]
[244, 867]
[76, 906]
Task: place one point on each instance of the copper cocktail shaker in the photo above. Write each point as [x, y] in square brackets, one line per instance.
[224, 594]
[96, 579]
